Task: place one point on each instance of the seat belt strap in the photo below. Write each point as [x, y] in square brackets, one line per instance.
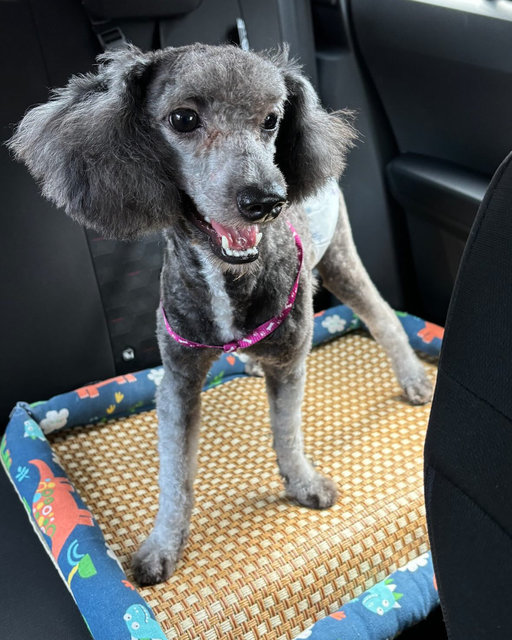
[109, 34]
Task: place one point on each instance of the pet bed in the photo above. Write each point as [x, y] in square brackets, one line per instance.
[256, 565]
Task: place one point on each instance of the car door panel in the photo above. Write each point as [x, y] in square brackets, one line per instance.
[443, 75]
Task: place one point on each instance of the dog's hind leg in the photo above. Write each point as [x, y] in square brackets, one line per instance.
[344, 275]
[285, 389]
[178, 408]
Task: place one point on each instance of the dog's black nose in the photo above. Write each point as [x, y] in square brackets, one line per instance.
[257, 205]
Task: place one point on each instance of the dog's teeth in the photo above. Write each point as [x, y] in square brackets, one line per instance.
[207, 219]
[258, 238]
[237, 253]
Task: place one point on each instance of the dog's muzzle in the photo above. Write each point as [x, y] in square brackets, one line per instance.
[233, 245]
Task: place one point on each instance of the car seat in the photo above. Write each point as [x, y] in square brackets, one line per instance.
[468, 451]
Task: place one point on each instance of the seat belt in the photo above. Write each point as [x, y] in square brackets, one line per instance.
[109, 34]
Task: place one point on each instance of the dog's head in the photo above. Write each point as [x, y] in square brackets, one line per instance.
[215, 139]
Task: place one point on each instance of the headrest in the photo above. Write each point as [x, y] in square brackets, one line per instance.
[112, 9]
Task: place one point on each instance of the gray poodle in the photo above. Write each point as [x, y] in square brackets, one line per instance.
[220, 149]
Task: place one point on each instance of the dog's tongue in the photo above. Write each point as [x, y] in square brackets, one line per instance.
[240, 239]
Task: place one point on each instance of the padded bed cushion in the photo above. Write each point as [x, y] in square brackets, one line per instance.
[257, 565]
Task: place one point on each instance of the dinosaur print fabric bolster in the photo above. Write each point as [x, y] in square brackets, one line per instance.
[110, 605]
[389, 607]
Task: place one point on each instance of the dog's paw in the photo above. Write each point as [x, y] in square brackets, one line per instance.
[318, 493]
[418, 390]
[151, 564]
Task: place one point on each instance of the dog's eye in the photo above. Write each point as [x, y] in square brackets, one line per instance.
[184, 120]
[270, 122]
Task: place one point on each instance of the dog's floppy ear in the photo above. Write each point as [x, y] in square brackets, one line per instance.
[311, 143]
[95, 153]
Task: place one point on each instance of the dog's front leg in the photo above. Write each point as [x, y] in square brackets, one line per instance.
[285, 389]
[178, 408]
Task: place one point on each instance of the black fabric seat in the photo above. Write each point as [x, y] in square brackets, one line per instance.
[468, 452]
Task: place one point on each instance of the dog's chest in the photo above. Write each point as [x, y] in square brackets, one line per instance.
[221, 305]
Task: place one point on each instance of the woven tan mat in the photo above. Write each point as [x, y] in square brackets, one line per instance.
[257, 565]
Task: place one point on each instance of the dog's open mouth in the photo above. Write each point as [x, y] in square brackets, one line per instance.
[236, 246]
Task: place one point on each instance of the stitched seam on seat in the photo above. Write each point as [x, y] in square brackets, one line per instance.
[475, 395]
[447, 477]
[433, 544]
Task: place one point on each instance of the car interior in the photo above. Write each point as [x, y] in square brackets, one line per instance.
[428, 82]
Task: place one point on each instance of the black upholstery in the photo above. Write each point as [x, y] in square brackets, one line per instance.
[35, 603]
[52, 316]
[441, 200]
[468, 450]
[108, 9]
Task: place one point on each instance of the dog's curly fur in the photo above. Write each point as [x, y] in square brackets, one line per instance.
[103, 148]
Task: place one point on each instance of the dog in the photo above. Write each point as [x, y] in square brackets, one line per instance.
[219, 149]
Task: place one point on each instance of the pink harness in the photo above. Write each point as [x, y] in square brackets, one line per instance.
[260, 332]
